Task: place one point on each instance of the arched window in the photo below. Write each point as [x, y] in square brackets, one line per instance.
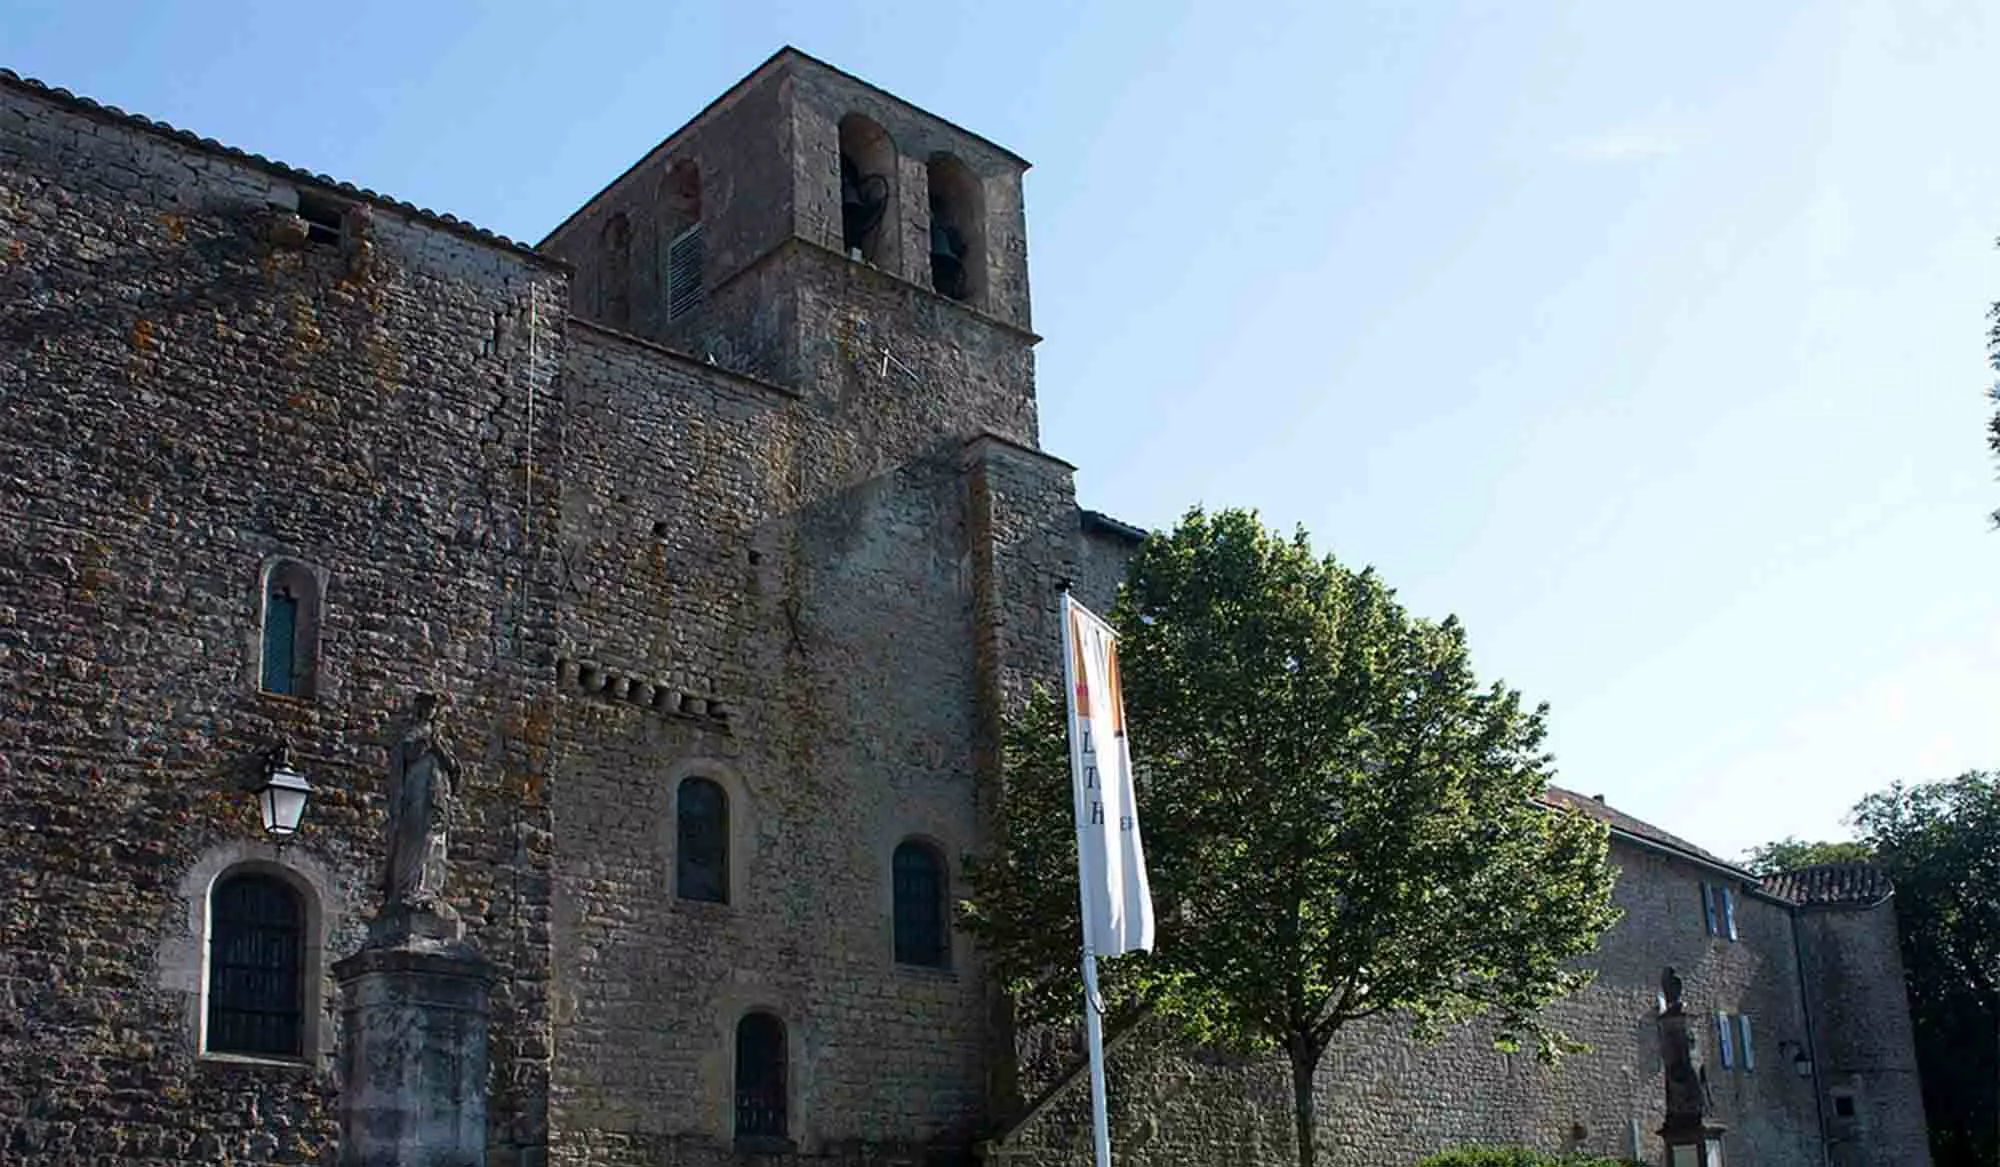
[617, 243]
[760, 1077]
[256, 940]
[921, 937]
[701, 854]
[958, 230]
[867, 190]
[289, 662]
[680, 219]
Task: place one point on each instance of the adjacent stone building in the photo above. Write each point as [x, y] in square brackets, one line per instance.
[720, 524]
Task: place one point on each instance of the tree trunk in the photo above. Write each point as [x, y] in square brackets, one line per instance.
[1305, 1060]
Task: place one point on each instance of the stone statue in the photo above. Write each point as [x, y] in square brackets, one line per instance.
[1687, 1084]
[423, 779]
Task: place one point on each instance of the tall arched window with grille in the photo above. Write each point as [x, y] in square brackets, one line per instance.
[760, 1077]
[701, 854]
[921, 936]
[256, 941]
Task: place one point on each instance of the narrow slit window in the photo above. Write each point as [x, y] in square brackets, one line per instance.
[701, 868]
[919, 893]
[760, 1077]
[255, 968]
[288, 642]
[281, 631]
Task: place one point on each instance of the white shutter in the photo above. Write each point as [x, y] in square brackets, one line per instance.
[1729, 911]
[1725, 1050]
[684, 273]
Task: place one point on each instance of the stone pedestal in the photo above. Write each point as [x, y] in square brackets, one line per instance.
[1696, 1144]
[413, 1055]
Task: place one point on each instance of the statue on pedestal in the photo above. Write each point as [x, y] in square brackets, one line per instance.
[1690, 1138]
[1687, 1083]
[423, 796]
[416, 998]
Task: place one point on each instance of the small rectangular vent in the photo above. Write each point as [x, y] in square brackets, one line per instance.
[684, 273]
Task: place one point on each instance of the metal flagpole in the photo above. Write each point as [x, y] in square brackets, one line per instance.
[1093, 1021]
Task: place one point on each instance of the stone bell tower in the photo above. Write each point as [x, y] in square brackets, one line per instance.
[816, 232]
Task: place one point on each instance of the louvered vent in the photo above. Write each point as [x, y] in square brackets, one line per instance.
[684, 273]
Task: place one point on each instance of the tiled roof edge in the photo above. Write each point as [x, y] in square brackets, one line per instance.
[140, 122]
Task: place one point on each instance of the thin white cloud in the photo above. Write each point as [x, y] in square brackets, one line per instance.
[1630, 144]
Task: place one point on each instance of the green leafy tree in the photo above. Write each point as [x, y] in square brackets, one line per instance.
[1941, 845]
[1790, 854]
[1339, 820]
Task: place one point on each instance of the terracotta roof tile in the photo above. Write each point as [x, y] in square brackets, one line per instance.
[1832, 883]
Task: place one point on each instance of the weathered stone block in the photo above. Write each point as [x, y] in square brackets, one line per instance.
[414, 1056]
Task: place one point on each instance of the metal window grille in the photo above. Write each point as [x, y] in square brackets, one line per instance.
[760, 1077]
[684, 273]
[919, 908]
[281, 629]
[702, 857]
[256, 933]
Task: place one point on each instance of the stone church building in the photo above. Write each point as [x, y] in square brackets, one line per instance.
[719, 524]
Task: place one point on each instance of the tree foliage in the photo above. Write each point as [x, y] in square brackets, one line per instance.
[1340, 821]
[1790, 854]
[1940, 843]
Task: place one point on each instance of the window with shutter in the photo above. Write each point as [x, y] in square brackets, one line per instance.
[701, 853]
[1729, 912]
[760, 1077]
[256, 940]
[281, 624]
[1725, 1051]
[288, 643]
[684, 274]
[1708, 906]
[1743, 1038]
[919, 891]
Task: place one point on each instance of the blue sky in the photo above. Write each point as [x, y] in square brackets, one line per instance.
[1647, 341]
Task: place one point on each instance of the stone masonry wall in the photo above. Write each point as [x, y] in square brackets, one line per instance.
[1866, 1047]
[740, 151]
[183, 401]
[714, 550]
[1384, 1100]
[821, 96]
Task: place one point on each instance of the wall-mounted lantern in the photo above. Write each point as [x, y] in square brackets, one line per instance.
[282, 795]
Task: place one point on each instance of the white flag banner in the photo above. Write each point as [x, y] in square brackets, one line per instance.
[1117, 903]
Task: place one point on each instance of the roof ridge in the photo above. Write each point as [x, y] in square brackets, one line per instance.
[97, 109]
